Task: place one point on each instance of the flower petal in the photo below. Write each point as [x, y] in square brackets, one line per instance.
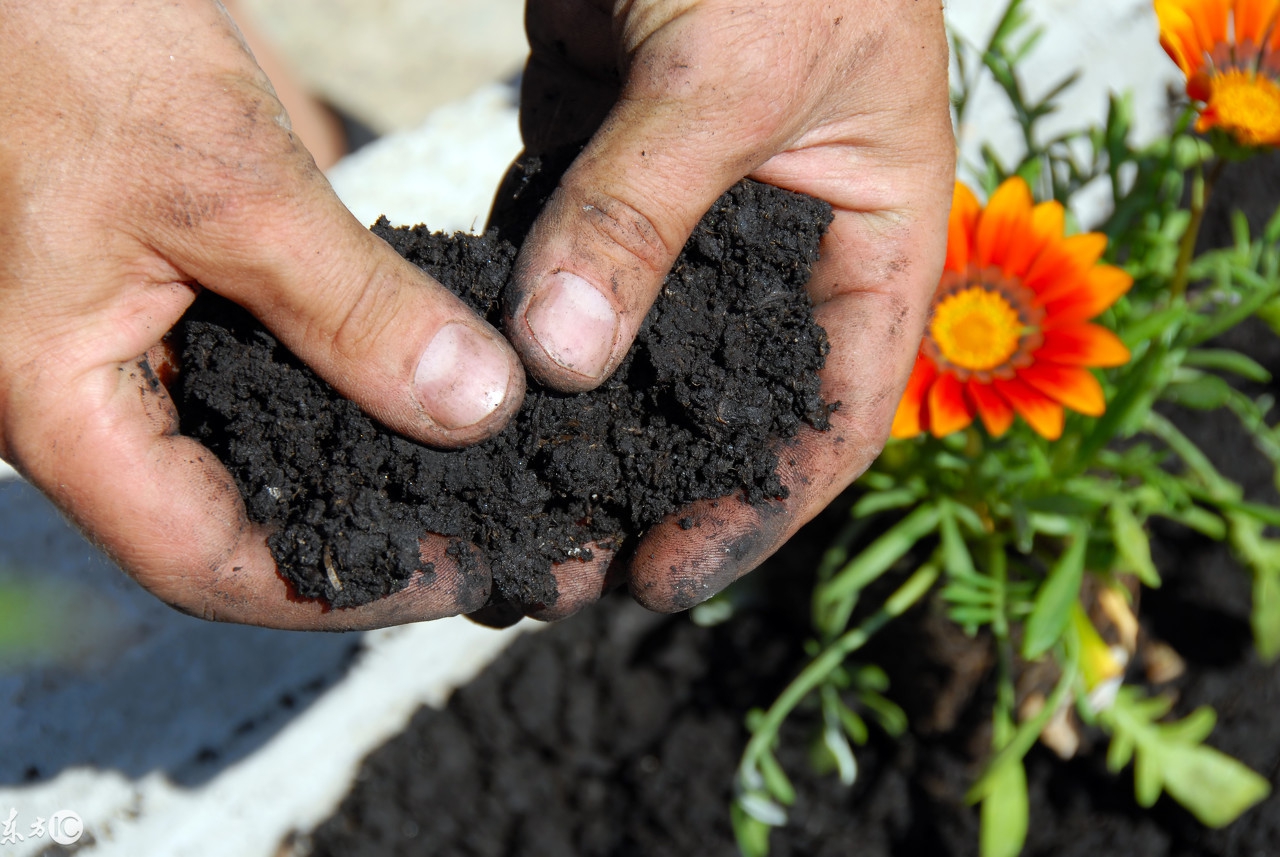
[1004, 223]
[1041, 413]
[965, 209]
[1062, 265]
[1073, 386]
[996, 413]
[1083, 345]
[948, 410]
[1253, 18]
[906, 421]
[1048, 220]
[1178, 36]
[1103, 286]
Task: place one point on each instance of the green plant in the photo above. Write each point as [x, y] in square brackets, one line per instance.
[1009, 522]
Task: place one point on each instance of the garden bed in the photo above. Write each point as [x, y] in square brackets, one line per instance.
[618, 732]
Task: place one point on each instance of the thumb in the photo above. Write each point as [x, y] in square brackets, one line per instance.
[596, 257]
[378, 329]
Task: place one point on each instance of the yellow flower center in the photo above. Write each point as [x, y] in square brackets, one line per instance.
[976, 329]
[1247, 104]
[983, 324]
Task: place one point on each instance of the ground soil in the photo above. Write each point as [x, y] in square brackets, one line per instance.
[617, 732]
[725, 365]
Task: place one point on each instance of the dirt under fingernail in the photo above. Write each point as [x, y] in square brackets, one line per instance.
[725, 365]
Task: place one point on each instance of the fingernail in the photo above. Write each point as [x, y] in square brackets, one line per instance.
[574, 324]
[462, 377]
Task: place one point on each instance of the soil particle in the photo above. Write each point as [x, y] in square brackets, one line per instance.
[724, 366]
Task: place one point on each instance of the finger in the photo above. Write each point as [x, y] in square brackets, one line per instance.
[579, 584]
[594, 261]
[874, 297]
[163, 507]
[378, 329]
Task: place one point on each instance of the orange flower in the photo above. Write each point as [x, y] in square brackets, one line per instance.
[1230, 52]
[1009, 331]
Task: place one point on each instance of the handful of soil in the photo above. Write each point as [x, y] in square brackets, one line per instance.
[725, 364]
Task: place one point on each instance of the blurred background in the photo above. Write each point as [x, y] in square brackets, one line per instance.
[168, 735]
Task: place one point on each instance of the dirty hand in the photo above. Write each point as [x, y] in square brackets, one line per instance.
[144, 151]
[841, 99]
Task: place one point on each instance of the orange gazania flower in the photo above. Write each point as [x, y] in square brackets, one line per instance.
[1230, 52]
[1009, 331]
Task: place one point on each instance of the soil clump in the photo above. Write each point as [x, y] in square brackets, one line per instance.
[724, 366]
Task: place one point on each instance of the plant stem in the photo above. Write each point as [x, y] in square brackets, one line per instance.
[1201, 190]
[833, 656]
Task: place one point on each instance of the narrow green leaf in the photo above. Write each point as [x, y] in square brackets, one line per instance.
[1204, 393]
[761, 807]
[1149, 327]
[1133, 544]
[1192, 729]
[837, 744]
[854, 726]
[971, 616]
[960, 594]
[1216, 788]
[881, 554]
[1005, 812]
[1199, 519]
[1148, 780]
[1226, 360]
[1265, 618]
[956, 558]
[1120, 753]
[1059, 591]
[751, 833]
[882, 501]
[775, 779]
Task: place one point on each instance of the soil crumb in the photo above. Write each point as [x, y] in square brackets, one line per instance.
[724, 366]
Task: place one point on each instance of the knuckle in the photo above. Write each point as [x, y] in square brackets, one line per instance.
[627, 227]
[364, 313]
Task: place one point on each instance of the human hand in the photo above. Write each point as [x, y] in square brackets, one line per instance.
[143, 152]
[846, 101]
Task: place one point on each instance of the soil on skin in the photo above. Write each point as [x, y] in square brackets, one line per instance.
[617, 732]
[724, 366]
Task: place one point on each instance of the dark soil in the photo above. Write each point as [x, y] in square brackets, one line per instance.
[618, 732]
[724, 366]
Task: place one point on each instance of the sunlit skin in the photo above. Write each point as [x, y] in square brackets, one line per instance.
[1229, 51]
[1010, 331]
[145, 155]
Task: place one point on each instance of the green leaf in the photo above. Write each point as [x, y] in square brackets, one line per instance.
[1133, 544]
[1005, 812]
[956, 558]
[880, 555]
[775, 779]
[1148, 779]
[881, 501]
[1061, 589]
[854, 726]
[1203, 393]
[1265, 618]
[1226, 360]
[1216, 788]
[1192, 729]
[761, 807]
[751, 833]
[1120, 753]
[833, 738]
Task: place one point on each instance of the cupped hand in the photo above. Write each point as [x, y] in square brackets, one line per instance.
[143, 152]
[845, 100]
